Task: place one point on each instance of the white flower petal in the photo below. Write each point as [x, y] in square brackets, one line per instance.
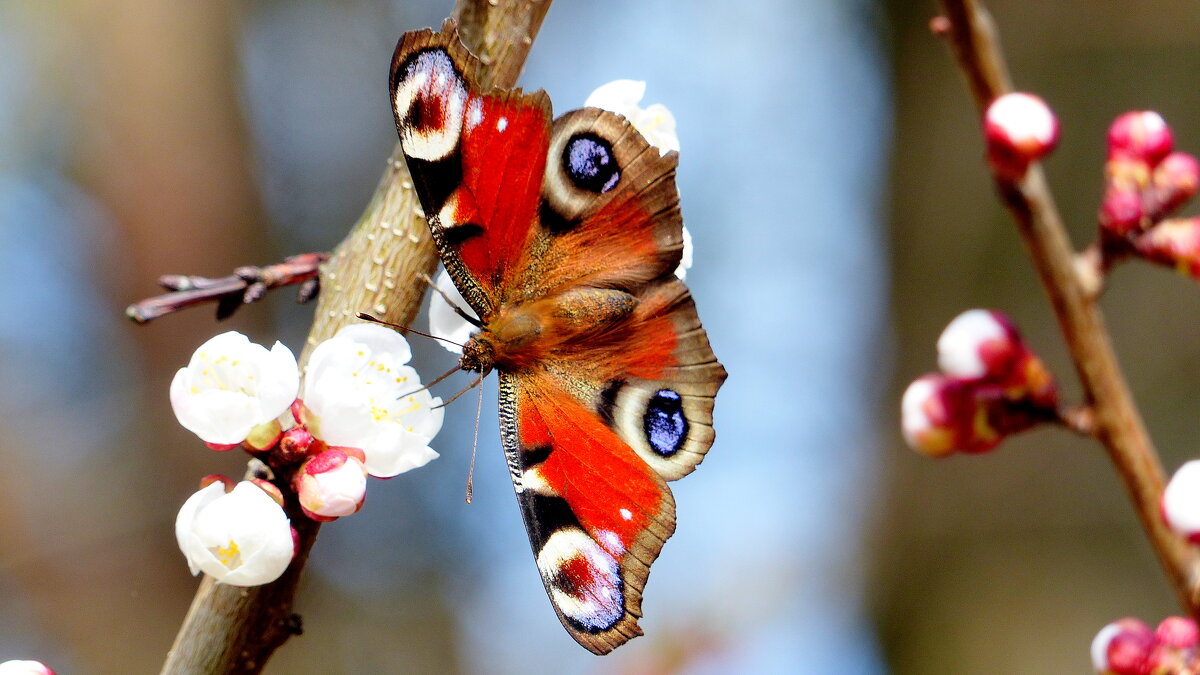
[359, 396]
[444, 322]
[1181, 500]
[959, 346]
[617, 96]
[655, 123]
[397, 450]
[22, 667]
[685, 263]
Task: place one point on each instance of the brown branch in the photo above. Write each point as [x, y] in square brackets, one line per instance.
[246, 285]
[1118, 424]
[376, 268]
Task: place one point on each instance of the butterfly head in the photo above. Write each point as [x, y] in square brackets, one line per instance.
[479, 354]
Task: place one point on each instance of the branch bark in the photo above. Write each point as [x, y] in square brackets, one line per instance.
[1117, 423]
[376, 268]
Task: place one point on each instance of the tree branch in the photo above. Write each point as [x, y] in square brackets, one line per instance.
[1117, 422]
[377, 268]
[246, 285]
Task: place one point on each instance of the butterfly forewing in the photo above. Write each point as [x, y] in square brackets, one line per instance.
[607, 383]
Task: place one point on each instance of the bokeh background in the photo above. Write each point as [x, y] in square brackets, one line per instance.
[831, 175]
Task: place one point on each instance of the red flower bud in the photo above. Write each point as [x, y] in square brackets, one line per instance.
[1020, 129]
[1140, 135]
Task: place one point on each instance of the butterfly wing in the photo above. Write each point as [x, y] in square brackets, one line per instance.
[579, 216]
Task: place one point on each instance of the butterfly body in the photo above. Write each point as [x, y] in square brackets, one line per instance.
[563, 235]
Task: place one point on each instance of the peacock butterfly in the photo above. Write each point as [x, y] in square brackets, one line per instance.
[563, 236]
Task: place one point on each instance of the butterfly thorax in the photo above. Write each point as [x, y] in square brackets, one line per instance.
[521, 335]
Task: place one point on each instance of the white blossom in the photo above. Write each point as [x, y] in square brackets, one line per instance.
[444, 322]
[654, 122]
[361, 394]
[1181, 500]
[240, 538]
[231, 386]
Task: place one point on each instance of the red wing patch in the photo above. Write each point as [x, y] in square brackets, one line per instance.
[597, 515]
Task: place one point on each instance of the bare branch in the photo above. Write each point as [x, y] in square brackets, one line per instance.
[1117, 422]
[246, 285]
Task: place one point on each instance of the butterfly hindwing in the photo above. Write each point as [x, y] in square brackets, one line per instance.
[563, 236]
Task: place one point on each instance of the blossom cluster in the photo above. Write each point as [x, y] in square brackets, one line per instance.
[360, 412]
[1146, 181]
[1130, 647]
[991, 385]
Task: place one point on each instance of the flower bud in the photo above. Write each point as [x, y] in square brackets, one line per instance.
[18, 667]
[1020, 128]
[296, 444]
[1121, 211]
[264, 436]
[941, 415]
[1180, 504]
[1140, 135]
[217, 478]
[1174, 243]
[332, 484]
[1177, 631]
[1175, 181]
[1122, 647]
[979, 344]
[270, 488]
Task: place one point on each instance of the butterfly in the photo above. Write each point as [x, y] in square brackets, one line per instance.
[562, 235]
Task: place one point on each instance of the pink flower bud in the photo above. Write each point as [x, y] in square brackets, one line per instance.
[270, 488]
[263, 437]
[1122, 211]
[984, 345]
[1122, 647]
[217, 478]
[1175, 181]
[296, 444]
[1173, 243]
[1178, 631]
[1140, 135]
[1180, 504]
[331, 484]
[1020, 128]
[979, 344]
[941, 415]
[18, 667]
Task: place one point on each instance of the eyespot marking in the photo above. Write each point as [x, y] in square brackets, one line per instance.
[429, 98]
[584, 580]
[590, 163]
[665, 426]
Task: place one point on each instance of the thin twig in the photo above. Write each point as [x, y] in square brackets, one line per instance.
[376, 268]
[1118, 424]
[246, 285]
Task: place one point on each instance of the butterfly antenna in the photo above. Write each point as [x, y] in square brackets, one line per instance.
[455, 397]
[453, 305]
[432, 382]
[367, 317]
[474, 447]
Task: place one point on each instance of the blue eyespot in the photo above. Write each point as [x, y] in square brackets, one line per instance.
[666, 427]
[588, 160]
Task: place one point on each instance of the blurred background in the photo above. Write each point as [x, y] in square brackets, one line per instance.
[833, 180]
